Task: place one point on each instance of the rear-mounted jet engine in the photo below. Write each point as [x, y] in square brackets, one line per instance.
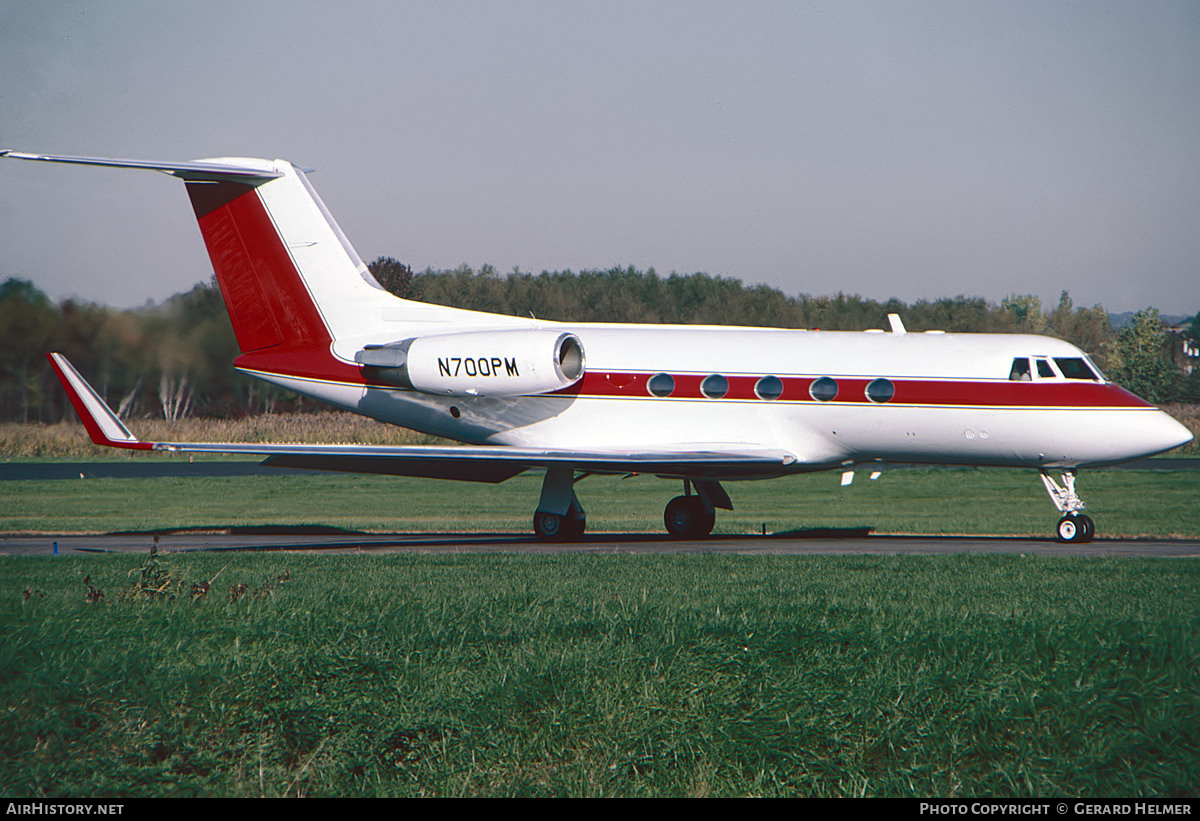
[485, 363]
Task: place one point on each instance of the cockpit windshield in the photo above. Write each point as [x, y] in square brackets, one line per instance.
[1068, 367]
[1075, 368]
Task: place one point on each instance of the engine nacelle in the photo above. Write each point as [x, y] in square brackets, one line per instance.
[479, 363]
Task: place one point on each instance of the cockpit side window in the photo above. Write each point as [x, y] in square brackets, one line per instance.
[1020, 370]
[1044, 369]
[1075, 368]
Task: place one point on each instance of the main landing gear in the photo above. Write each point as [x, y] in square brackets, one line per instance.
[1075, 527]
[687, 517]
[560, 518]
[692, 516]
[565, 527]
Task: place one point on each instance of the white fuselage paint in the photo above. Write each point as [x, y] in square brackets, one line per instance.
[819, 434]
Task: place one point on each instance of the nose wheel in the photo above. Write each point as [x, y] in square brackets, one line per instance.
[1075, 528]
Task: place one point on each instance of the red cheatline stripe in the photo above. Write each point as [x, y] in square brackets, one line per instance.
[316, 362]
[971, 393]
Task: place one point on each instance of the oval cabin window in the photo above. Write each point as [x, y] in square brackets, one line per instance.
[714, 386]
[823, 389]
[880, 390]
[769, 387]
[661, 385]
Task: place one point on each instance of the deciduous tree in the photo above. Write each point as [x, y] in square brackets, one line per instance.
[1138, 360]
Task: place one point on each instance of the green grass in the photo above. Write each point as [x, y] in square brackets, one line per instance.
[969, 501]
[600, 675]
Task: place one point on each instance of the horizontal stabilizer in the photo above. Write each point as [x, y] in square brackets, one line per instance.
[242, 170]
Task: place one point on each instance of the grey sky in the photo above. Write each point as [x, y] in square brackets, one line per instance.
[907, 149]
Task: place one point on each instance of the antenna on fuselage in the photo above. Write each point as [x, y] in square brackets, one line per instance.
[896, 323]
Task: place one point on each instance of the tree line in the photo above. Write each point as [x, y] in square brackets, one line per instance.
[173, 359]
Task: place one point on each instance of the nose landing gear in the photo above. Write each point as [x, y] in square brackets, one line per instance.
[1074, 527]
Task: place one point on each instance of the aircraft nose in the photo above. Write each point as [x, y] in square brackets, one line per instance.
[1159, 433]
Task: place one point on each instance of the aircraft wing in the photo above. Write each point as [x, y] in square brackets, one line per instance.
[477, 463]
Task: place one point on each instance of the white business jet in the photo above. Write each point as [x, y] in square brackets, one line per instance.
[697, 404]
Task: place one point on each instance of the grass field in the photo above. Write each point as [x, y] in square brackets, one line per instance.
[599, 675]
[70, 439]
[972, 501]
[270, 674]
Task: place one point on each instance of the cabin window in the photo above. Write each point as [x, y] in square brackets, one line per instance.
[714, 386]
[1020, 370]
[1044, 369]
[661, 385]
[1074, 368]
[823, 389]
[880, 390]
[769, 387]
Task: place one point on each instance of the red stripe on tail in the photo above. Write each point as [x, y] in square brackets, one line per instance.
[267, 300]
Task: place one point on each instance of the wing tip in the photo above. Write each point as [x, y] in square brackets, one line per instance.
[97, 417]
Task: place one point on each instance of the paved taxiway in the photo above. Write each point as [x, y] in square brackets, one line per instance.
[601, 543]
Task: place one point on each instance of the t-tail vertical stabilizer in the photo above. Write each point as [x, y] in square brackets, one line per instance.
[290, 278]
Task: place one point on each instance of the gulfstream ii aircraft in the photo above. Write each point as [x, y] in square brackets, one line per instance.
[699, 405]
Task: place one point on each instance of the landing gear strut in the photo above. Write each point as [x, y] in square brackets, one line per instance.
[1075, 527]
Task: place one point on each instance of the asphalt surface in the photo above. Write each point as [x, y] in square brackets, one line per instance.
[818, 543]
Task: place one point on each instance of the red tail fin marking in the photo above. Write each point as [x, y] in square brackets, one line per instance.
[267, 300]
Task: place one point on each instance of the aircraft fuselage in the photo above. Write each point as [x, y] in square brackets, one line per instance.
[828, 397]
